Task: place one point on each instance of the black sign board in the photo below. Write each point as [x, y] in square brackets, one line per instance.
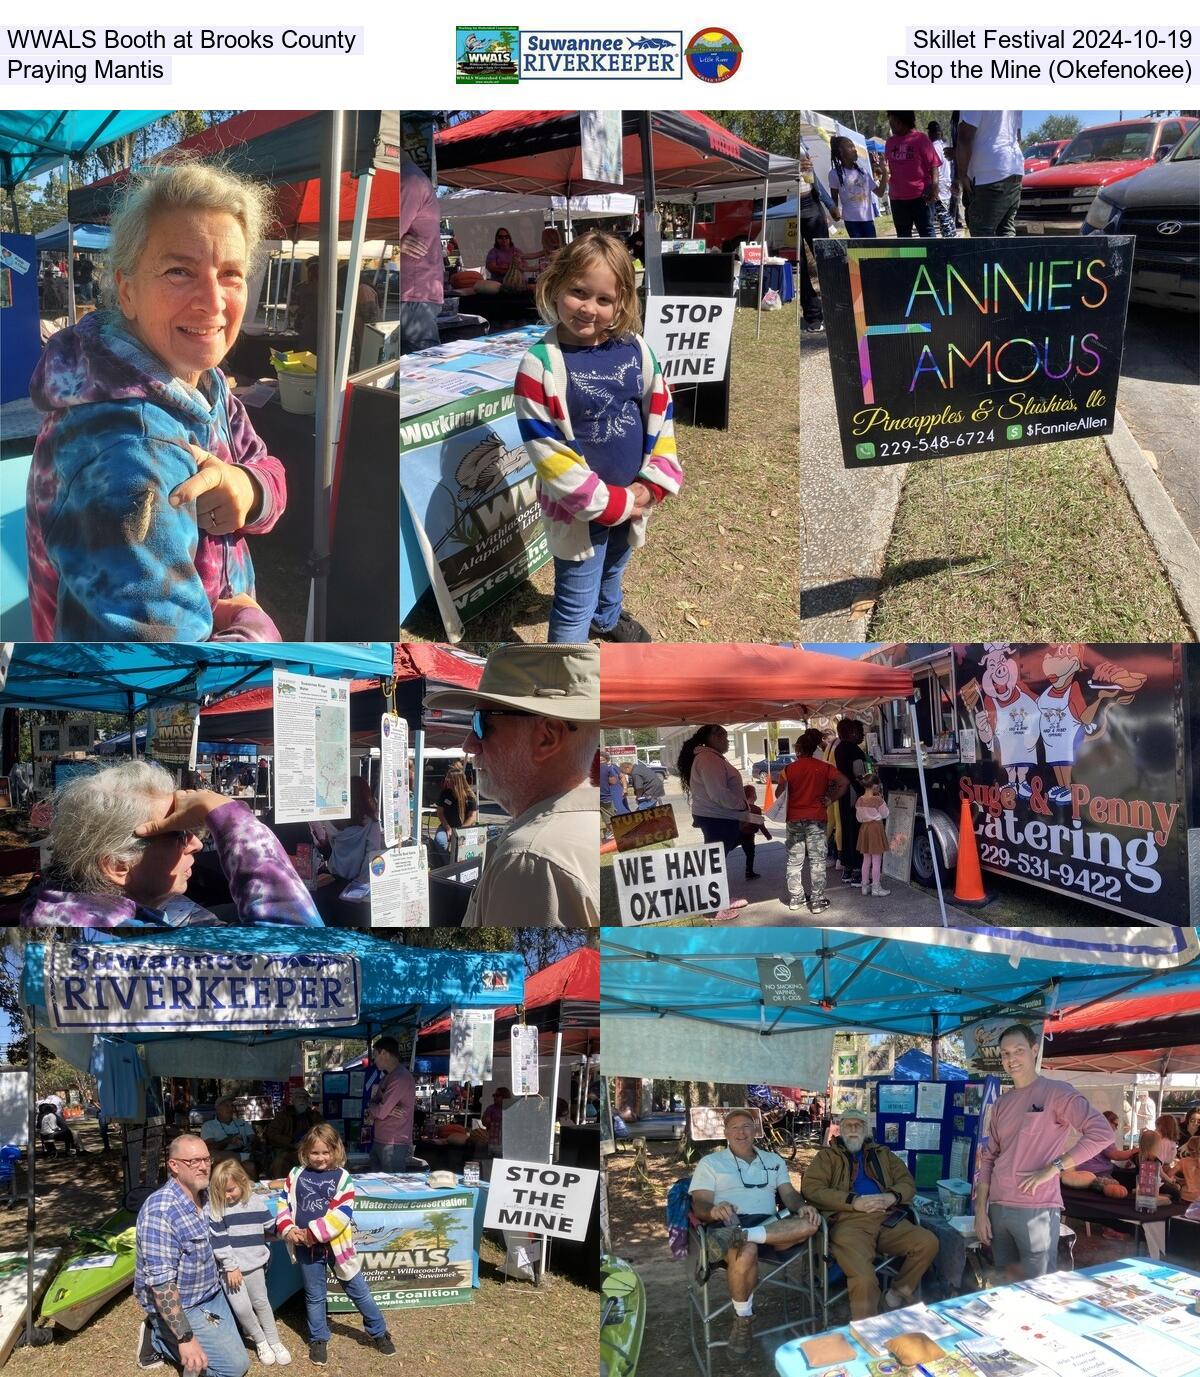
[954, 346]
[782, 980]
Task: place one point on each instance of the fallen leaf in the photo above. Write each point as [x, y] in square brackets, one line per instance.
[776, 511]
[687, 617]
[722, 529]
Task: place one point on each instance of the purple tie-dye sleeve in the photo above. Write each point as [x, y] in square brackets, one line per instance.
[249, 451]
[263, 883]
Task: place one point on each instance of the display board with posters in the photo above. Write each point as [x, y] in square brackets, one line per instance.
[399, 881]
[901, 822]
[1081, 773]
[955, 346]
[394, 809]
[466, 482]
[312, 748]
[416, 1244]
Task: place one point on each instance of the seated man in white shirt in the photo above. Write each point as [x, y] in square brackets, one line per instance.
[736, 1191]
[228, 1136]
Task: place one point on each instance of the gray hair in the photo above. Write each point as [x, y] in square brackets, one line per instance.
[184, 185]
[94, 818]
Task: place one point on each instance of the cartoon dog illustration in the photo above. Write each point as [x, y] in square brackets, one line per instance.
[1067, 719]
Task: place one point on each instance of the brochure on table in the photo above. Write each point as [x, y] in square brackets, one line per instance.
[933, 1126]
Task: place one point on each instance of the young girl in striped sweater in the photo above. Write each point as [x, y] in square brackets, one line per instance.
[237, 1224]
[317, 1222]
[595, 416]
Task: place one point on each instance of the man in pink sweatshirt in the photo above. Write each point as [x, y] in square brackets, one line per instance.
[1018, 1203]
[390, 1112]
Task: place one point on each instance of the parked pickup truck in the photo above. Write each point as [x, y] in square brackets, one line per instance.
[1056, 199]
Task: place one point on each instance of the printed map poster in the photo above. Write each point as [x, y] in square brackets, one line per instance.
[472, 1032]
[312, 748]
[393, 779]
[399, 883]
[524, 1053]
[956, 346]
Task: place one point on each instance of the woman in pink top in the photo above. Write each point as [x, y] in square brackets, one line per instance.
[1018, 1203]
[912, 175]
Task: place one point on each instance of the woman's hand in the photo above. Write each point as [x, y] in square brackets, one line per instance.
[226, 495]
[189, 812]
[225, 612]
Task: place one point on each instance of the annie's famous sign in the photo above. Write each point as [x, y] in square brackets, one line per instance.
[950, 346]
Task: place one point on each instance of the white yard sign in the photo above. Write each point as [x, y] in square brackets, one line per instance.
[690, 335]
[537, 1198]
[653, 886]
[312, 748]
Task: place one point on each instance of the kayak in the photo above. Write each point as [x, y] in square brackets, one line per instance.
[622, 1318]
[99, 1267]
[12, 1291]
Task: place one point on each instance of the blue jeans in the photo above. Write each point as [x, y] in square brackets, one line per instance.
[860, 229]
[390, 1156]
[312, 1269]
[222, 1342]
[587, 592]
[418, 326]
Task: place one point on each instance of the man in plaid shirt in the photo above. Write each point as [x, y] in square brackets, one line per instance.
[175, 1277]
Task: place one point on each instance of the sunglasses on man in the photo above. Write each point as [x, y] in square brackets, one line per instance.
[479, 719]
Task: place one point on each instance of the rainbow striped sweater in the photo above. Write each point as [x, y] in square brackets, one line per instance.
[335, 1228]
[570, 494]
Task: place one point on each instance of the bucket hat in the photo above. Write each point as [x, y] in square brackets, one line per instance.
[560, 681]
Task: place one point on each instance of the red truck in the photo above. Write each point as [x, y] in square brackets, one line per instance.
[1039, 155]
[1056, 199]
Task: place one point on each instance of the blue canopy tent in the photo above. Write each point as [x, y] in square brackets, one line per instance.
[698, 991]
[34, 141]
[92, 237]
[381, 984]
[785, 210]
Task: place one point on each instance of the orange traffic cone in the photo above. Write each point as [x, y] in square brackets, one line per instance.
[968, 878]
[769, 791]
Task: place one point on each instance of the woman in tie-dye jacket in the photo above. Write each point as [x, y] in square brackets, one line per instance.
[147, 474]
[595, 416]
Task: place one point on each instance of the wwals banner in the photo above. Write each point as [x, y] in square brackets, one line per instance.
[954, 346]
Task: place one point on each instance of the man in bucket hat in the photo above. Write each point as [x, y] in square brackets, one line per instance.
[535, 730]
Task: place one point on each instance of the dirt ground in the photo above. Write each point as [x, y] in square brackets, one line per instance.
[506, 1323]
[636, 1205]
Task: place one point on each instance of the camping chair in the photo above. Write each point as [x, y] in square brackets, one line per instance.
[774, 1270]
[833, 1276]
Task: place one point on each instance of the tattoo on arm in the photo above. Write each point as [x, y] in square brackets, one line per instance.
[170, 1308]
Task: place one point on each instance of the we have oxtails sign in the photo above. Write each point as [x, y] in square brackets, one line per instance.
[954, 346]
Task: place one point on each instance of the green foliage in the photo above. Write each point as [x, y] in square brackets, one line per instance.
[874, 124]
[1055, 127]
[778, 131]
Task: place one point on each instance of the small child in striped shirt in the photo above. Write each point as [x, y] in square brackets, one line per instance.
[238, 1226]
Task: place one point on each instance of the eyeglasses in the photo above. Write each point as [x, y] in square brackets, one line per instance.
[479, 719]
[180, 838]
[751, 1185]
[192, 1161]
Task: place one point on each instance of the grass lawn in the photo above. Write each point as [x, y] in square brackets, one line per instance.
[721, 560]
[1079, 566]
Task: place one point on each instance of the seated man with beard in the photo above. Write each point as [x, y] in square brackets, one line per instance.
[863, 1190]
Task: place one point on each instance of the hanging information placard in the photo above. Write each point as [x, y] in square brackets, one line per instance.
[524, 1053]
[394, 808]
[399, 888]
[312, 748]
[471, 1035]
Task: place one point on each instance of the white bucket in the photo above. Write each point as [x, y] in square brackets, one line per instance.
[298, 392]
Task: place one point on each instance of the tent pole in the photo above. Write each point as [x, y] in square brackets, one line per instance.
[920, 754]
[350, 298]
[418, 797]
[933, 1044]
[650, 231]
[331, 182]
[762, 266]
[550, 1158]
[31, 1177]
[70, 242]
[131, 718]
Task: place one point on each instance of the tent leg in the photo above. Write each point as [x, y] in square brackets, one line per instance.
[350, 299]
[650, 228]
[331, 182]
[31, 1178]
[933, 1045]
[920, 753]
[762, 267]
[550, 1158]
[418, 796]
[70, 245]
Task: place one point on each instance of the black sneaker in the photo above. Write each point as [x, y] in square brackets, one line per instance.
[851, 877]
[318, 1352]
[818, 905]
[627, 629]
[147, 1355]
[812, 326]
[385, 1346]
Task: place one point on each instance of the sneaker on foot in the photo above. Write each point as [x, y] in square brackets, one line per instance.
[282, 1356]
[818, 905]
[851, 877]
[878, 891]
[795, 903]
[717, 1242]
[627, 628]
[741, 1336]
[318, 1353]
[385, 1345]
[812, 325]
[266, 1354]
[896, 1300]
[148, 1355]
[753, 875]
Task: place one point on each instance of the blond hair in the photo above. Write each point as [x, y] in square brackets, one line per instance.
[184, 185]
[225, 1171]
[593, 247]
[322, 1133]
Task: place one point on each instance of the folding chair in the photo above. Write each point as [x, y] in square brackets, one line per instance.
[831, 1272]
[774, 1270]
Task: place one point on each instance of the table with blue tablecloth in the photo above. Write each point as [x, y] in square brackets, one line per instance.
[779, 276]
[1154, 1334]
[419, 1243]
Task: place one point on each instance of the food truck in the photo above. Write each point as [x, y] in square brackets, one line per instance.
[1079, 761]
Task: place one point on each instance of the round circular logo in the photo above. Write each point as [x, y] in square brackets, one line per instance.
[713, 54]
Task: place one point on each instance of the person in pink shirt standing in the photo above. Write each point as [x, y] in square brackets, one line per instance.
[912, 175]
[390, 1112]
[1018, 1203]
[421, 290]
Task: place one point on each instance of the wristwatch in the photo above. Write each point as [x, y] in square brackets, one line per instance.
[186, 1338]
[1058, 1164]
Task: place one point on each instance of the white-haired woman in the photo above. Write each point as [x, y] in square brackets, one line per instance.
[147, 474]
[122, 844]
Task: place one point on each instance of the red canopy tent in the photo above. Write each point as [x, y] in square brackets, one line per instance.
[1158, 1033]
[656, 685]
[539, 150]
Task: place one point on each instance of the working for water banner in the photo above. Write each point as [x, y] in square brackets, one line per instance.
[127, 987]
[416, 1246]
[953, 346]
[469, 487]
